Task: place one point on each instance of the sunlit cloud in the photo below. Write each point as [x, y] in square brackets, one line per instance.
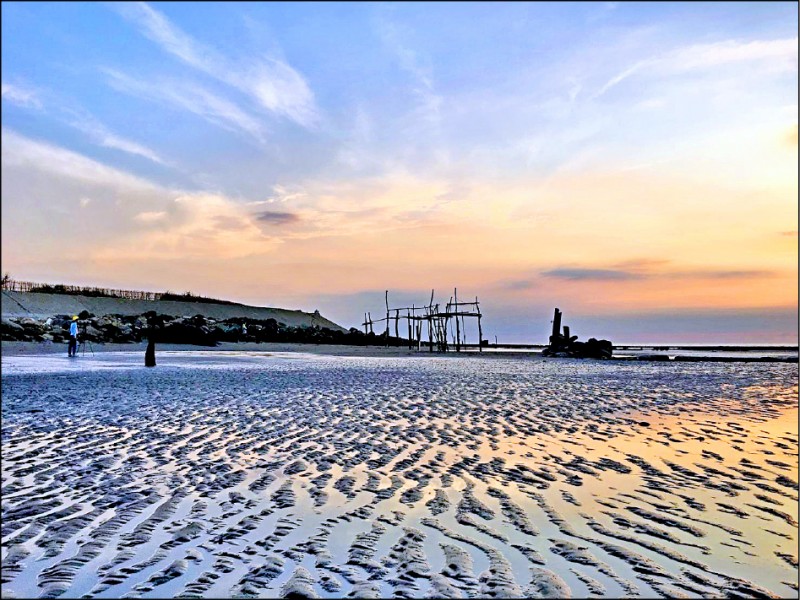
[203, 226]
[174, 224]
[791, 136]
[150, 216]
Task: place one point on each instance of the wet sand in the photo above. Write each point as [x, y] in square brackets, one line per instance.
[270, 473]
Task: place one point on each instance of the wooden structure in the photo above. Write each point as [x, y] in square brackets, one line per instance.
[446, 327]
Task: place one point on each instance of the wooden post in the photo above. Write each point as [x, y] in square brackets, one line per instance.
[365, 324]
[408, 321]
[458, 329]
[387, 318]
[397, 323]
[430, 324]
[480, 331]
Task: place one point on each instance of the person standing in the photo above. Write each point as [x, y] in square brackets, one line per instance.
[72, 349]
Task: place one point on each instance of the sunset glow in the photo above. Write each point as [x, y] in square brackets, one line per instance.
[633, 164]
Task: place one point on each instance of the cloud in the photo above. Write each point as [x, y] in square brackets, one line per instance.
[791, 136]
[430, 102]
[101, 135]
[648, 269]
[779, 54]
[274, 217]
[157, 28]
[274, 84]
[81, 120]
[574, 274]
[151, 216]
[129, 220]
[21, 96]
[620, 77]
[191, 97]
[720, 274]
[520, 284]
[284, 193]
[21, 151]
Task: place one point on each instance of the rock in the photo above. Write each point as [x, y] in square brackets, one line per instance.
[12, 326]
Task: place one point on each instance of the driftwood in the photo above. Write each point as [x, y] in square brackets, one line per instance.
[566, 345]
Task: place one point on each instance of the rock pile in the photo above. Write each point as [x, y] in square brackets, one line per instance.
[198, 330]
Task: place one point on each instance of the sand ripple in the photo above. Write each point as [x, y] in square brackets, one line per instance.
[407, 477]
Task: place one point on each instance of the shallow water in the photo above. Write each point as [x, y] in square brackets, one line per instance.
[207, 475]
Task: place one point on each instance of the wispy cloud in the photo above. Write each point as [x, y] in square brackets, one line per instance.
[780, 54]
[21, 95]
[101, 135]
[193, 98]
[156, 27]
[430, 102]
[620, 77]
[274, 84]
[22, 151]
[79, 119]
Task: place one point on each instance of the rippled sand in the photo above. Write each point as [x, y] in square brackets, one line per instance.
[266, 475]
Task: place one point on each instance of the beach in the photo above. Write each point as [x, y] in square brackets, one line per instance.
[371, 472]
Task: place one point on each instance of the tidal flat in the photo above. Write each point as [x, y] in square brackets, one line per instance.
[247, 474]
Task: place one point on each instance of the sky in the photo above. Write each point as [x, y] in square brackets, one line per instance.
[634, 164]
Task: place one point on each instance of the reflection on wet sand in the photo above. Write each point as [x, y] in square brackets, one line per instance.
[374, 477]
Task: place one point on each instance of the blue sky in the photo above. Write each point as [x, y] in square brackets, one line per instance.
[311, 155]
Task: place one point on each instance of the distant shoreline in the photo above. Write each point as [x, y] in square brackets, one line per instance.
[14, 348]
[717, 347]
